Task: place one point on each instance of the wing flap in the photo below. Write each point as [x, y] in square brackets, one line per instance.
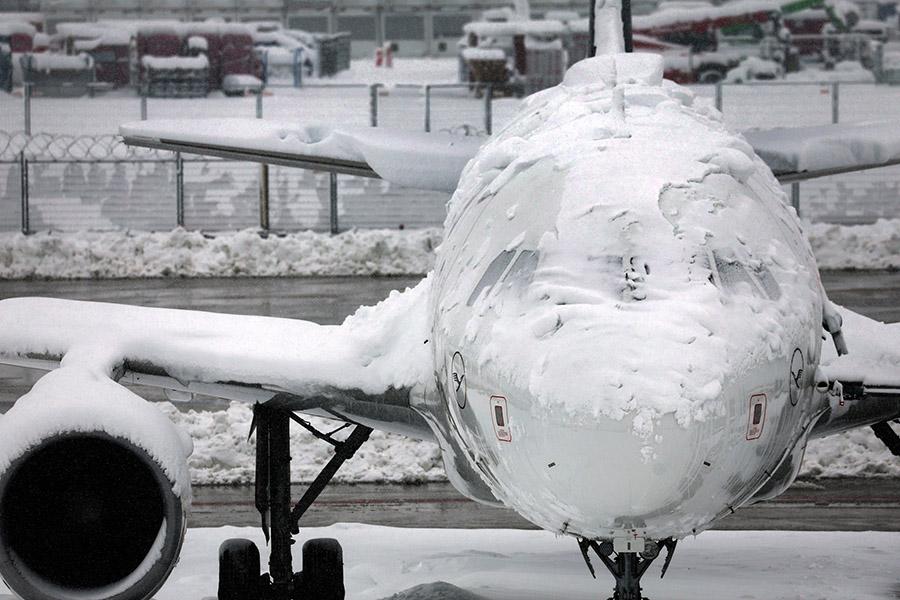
[800, 153]
[430, 161]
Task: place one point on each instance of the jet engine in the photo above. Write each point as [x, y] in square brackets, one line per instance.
[93, 491]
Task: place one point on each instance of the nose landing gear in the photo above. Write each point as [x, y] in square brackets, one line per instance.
[626, 567]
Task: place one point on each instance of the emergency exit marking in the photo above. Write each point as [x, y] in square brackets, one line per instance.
[757, 417]
[500, 418]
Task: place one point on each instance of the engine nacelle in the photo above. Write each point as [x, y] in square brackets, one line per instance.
[93, 491]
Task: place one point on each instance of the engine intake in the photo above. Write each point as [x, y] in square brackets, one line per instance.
[87, 515]
[92, 492]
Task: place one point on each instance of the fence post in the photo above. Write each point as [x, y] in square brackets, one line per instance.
[719, 96]
[23, 182]
[488, 109]
[373, 104]
[333, 201]
[835, 101]
[795, 196]
[263, 177]
[427, 107]
[27, 96]
[143, 103]
[179, 189]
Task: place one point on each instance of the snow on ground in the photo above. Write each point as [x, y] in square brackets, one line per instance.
[222, 454]
[494, 564]
[845, 72]
[842, 247]
[181, 253]
[404, 70]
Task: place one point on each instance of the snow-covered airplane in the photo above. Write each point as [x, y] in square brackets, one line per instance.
[622, 340]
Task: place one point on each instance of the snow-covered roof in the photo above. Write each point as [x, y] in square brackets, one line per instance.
[196, 42]
[102, 35]
[180, 28]
[276, 38]
[16, 27]
[579, 25]
[175, 62]
[59, 62]
[483, 54]
[507, 28]
[669, 17]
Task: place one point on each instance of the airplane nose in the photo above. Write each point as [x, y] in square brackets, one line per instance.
[600, 477]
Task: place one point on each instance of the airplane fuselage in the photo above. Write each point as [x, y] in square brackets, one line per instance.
[627, 317]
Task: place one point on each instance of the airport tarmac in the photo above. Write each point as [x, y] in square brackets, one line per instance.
[847, 504]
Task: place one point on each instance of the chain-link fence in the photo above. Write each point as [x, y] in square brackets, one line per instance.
[69, 181]
[66, 182]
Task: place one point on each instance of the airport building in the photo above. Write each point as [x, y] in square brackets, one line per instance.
[415, 27]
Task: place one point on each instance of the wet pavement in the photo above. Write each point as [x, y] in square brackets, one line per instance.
[846, 504]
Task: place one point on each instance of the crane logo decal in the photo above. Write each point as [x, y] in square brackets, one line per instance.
[796, 376]
[458, 383]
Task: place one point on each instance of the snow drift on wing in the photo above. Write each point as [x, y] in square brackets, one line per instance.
[376, 348]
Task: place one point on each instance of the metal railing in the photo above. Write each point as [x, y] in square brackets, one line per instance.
[486, 91]
[833, 86]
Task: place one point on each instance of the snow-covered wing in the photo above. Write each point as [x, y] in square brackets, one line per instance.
[431, 161]
[865, 382]
[799, 153]
[361, 370]
[873, 357]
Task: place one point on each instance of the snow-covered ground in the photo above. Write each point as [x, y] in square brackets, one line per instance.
[492, 564]
[181, 253]
[222, 454]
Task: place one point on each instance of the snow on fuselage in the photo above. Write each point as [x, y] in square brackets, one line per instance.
[627, 318]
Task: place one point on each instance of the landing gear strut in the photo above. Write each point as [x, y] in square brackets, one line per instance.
[626, 567]
[322, 575]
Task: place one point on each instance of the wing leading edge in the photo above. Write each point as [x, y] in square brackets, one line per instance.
[360, 371]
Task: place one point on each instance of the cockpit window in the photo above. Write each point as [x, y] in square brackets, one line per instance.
[491, 275]
[735, 276]
[522, 269]
[767, 282]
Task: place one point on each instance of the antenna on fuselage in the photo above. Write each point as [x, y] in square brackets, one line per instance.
[627, 38]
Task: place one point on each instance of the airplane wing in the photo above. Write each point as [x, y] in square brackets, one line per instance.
[800, 153]
[430, 161]
[434, 161]
[361, 371]
[864, 382]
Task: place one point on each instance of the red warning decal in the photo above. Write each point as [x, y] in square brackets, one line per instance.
[500, 417]
[757, 416]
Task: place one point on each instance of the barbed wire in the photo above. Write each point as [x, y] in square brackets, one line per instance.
[66, 147]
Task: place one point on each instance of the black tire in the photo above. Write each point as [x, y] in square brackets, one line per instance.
[710, 75]
[238, 570]
[323, 569]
